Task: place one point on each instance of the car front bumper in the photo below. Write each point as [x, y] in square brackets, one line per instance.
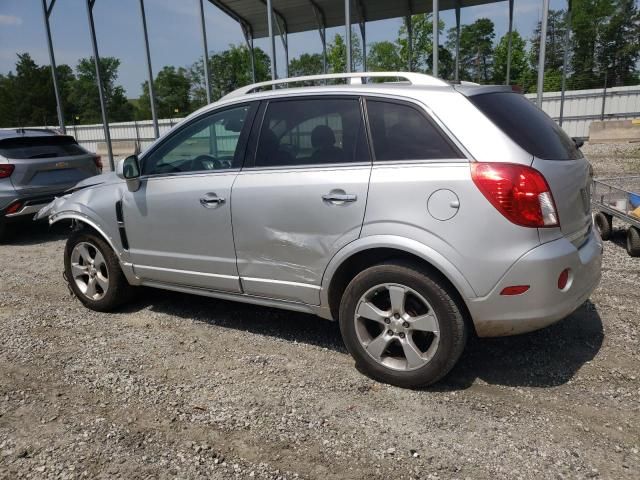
[544, 303]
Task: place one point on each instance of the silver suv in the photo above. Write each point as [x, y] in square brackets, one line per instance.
[413, 212]
[35, 166]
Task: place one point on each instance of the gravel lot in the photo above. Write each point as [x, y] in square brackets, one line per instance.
[178, 386]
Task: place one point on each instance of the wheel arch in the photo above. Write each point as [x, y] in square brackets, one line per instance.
[370, 251]
[82, 220]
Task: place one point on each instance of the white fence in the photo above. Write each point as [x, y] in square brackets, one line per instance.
[581, 107]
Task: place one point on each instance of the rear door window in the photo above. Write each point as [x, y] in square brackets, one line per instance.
[50, 146]
[401, 132]
[312, 131]
[527, 125]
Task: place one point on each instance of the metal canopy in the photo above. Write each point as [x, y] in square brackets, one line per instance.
[297, 15]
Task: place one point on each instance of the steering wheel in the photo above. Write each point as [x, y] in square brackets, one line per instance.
[203, 162]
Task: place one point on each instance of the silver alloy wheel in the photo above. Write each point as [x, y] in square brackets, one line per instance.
[397, 327]
[89, 270]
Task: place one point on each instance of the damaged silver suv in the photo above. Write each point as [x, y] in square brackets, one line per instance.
[414, 213]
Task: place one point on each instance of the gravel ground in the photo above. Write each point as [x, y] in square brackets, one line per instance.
[178, 386]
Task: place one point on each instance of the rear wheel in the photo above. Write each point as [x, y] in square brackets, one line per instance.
[93, 272]
[603, 223]
[402, 325]
[3, 231]
[633, 242]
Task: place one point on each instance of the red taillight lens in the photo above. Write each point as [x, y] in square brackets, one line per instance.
[6, 170]
[518, 192]
[514, 290]
[98, 160]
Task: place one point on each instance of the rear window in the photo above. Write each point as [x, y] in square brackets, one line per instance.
[527, 125]
[40, 147]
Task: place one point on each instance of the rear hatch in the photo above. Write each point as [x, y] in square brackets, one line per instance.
[555, 155]
[47, 163]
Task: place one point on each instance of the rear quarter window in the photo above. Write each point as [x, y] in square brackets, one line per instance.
[22, 148]
[527, 125]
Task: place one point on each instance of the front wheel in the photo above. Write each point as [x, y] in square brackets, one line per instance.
[93, 272]
[604, 224]
[402, 325]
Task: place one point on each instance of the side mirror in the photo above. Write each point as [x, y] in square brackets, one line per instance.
[129, 169]
[578, 141]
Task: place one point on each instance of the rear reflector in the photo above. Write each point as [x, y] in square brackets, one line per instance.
[13, 208]
[514, 290]
[518, 192]
[6, 170]
[563, 279]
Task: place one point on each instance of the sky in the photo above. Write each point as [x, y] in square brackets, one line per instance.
[175, 36]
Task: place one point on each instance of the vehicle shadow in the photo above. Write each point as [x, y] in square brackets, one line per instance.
[619, 237]
[28, 232]
[546, 358]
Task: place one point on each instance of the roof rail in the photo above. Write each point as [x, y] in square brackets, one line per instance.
[354, 78]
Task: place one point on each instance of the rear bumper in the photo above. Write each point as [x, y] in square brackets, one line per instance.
[22, 207]
[543, 304]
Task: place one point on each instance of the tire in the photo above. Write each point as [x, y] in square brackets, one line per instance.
[3, 231]
[424, 293]
[633, 242]
[87, 252]
[603, 223]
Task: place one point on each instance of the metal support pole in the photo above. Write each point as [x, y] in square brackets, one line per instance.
[604, 92]
[347, 26]
[103, 104]
[409, 25]
[320, 20]
[52, 59]
[272, 39]
[508, 77]
[565, 60]
[363, 34]
[252, 58]
[205, 58]
[457, 72]
[543, 46]
[436, 33]
[152, 95]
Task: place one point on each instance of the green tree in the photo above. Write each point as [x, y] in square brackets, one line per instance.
[422, 43]
[476, 49]
[619, 50]
[337, 53]
[519, 64]
[229, 69]
[172, 88]
[384, 57]
[306, 64]
[84, 92]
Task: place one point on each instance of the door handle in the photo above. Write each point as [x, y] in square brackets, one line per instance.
[339, 197]
[211, 200]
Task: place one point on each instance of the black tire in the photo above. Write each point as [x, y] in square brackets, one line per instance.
[453, 330]
[118, 292]
[3, 231]
[603, 222]
[633, 242]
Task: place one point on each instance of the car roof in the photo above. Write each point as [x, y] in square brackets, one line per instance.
[6, 133]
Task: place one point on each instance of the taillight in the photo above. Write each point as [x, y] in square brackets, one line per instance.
[98, 161]
[6, 170]
[518, 192]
